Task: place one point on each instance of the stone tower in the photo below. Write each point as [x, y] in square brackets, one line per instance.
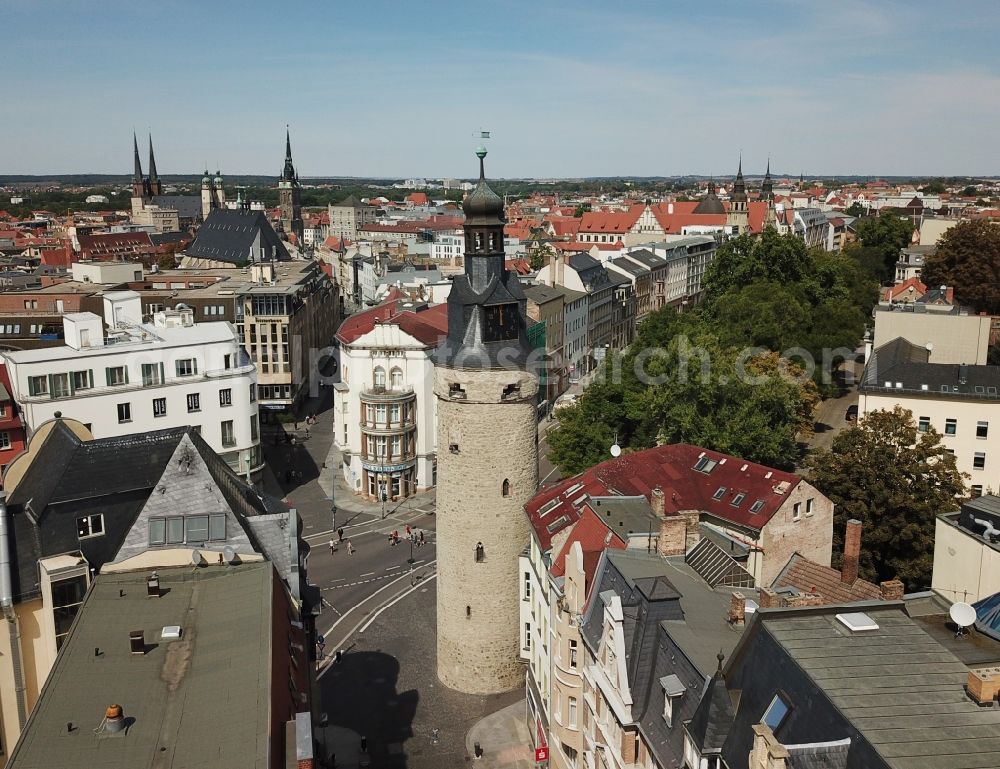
[289, 194]
[143, 187]
[487, 459]
[738, 217]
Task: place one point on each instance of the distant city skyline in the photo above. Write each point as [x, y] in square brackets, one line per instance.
[566, 90]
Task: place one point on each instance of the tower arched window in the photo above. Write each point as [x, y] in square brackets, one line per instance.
[396, 377]
[379, 376]
[506, 487]
[479, 241]
[480, 553]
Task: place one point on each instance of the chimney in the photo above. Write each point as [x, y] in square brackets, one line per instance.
[852, 552]
[656, 501]
[769, 599]
[114, 718]
[673, 536]
[984, 684]
[153, 585]
[892, 590]
[137, 641]
[560, 268]
[737, 609]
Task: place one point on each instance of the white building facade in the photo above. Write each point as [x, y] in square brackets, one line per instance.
[139, 377]
[384, 407]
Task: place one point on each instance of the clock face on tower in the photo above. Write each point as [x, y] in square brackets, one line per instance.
[500, 322]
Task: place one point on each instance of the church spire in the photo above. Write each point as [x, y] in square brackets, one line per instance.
[152, 161]
[137, 174]
[739, 186]
[288, 173]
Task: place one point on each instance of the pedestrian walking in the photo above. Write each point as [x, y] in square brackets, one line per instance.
[307, 431]
[340, 534]
[409, 531]
[350, 548]
[421, 536]
[333, 547]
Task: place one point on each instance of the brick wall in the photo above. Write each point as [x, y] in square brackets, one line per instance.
[494, 440]
[810, 535]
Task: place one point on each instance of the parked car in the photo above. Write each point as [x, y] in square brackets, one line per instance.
[852, 412]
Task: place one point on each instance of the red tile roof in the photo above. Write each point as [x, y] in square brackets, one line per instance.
[564, 226]
[672, 468]
[605, 222]
[427, 325]
[594, 537]
[520, 266]
[893, 292]
[810, 577]
[418, 198]
[334, 244]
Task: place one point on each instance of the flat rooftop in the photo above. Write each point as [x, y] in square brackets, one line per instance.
[199, 701]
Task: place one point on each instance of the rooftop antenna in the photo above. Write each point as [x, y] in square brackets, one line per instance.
[616, 450]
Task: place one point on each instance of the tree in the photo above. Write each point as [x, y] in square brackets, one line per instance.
[969, 191]
[895, 480]
[968, 259]
[887, 234]
[540, 254]
[855, 209]
[935, 187]
[744, 260]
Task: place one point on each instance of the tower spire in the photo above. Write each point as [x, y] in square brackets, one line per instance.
[137, 173]
[288, 173]
[152, 161]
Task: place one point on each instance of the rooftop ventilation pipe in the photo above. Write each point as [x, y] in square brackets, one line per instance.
[7, 604]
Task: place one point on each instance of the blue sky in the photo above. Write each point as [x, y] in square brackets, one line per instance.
[567, 89]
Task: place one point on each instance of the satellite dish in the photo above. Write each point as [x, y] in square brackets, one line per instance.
[229, 554]
[196, 557]
[616, 450]
[962, 614]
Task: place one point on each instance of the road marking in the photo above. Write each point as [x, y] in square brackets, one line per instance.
[553, 470]
[390, 568]
[393, 602]
[327, 661]
[367, 574]
[384, 587]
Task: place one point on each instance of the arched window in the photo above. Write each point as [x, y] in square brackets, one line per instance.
[506, 487]
[379, 376]
[480, 553]
[396, 377]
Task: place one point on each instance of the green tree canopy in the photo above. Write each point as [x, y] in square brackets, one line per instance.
[895, 480]
[968, 259]
[886, 234]
[746, 259]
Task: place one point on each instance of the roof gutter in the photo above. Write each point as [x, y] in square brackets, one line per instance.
[7, 605]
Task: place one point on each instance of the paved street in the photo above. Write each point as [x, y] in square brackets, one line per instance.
[379, 611]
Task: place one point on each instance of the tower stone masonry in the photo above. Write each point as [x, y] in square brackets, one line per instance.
[487, 460]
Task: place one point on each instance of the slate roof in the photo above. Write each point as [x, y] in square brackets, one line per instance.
[711, 722]
[646, 257]
[203, 700]
[228, 235]
[895, 691]
[630, 266]
[900, 366]
[674, 626]
[113, 476]
[187, 206]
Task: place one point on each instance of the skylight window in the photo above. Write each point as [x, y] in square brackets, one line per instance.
[738, 499]
[756, 506]
[857, 621]
[719, 493]
[705, 465]
[776, 713]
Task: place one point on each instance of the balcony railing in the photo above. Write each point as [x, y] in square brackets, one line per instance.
[382, 394]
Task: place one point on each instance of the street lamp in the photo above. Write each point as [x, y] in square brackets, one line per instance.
[410, 560]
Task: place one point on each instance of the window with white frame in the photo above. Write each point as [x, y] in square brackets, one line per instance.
[82, 380]
[159, 407]
[527, 635]
[378, 376]
[571, 708]
[186, 367]
[152, 374]
[4, 440]
[796, 511]
[228, 434]
[193, 402]
[38, 385]
[90, 525]
[226, 397]
[527, 586]
[124, 412]
[116, 376]
[396, 377]
[982, 429]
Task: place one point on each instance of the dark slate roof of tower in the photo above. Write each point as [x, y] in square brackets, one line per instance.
[483, 205]
[288, 172]
[739, 186]
[228, 235]
[714, 717]
[137, 172]
[152, 161]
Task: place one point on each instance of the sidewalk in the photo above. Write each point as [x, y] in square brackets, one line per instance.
[504, 738]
